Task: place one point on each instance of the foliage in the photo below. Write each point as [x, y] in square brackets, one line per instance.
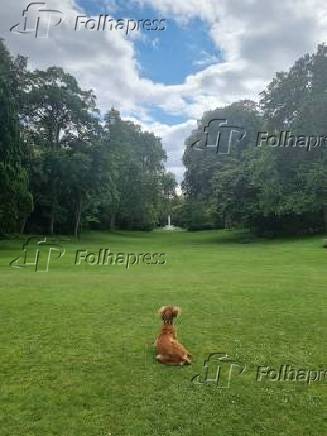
[15, 199]
[62, 168]
[269, 190]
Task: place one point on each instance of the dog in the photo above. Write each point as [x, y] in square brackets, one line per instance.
[169, 350]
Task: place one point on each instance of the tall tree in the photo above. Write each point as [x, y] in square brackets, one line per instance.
[137, 166]
[58, 116]
[16, 201]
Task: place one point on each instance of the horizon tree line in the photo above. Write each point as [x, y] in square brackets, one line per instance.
[63, 168]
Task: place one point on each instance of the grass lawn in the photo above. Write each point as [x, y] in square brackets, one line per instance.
[76, 354]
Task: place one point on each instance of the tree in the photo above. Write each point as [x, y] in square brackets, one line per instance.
[16, 201]
[136, 161]
[59, 118]
[207, 172]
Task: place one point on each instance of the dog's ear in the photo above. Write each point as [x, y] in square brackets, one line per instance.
[176, 311]
[161, 311]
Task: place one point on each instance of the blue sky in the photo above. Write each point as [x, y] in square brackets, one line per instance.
[170, 57]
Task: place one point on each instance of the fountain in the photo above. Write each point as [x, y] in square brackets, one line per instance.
[169, 226]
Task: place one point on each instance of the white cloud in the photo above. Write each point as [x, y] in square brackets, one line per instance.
[173, 138]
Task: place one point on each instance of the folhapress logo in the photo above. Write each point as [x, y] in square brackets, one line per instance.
[38, 254]
[219, 135]
[38, 20]
[219, 369]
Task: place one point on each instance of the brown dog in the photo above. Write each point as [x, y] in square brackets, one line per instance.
[169, 350]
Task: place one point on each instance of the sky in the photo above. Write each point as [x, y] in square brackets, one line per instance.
[211, 53]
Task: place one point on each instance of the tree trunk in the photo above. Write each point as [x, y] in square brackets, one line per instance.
[22, 226]
[51, 223]
[325, 217]
[113, 221]
[53, 205]
[228, 222]
[77, 224]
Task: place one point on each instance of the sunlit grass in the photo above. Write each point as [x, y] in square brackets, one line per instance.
[76, 350]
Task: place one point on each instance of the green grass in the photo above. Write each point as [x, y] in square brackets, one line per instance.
[76, 354]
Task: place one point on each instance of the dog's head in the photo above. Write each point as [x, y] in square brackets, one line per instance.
[168, 313]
